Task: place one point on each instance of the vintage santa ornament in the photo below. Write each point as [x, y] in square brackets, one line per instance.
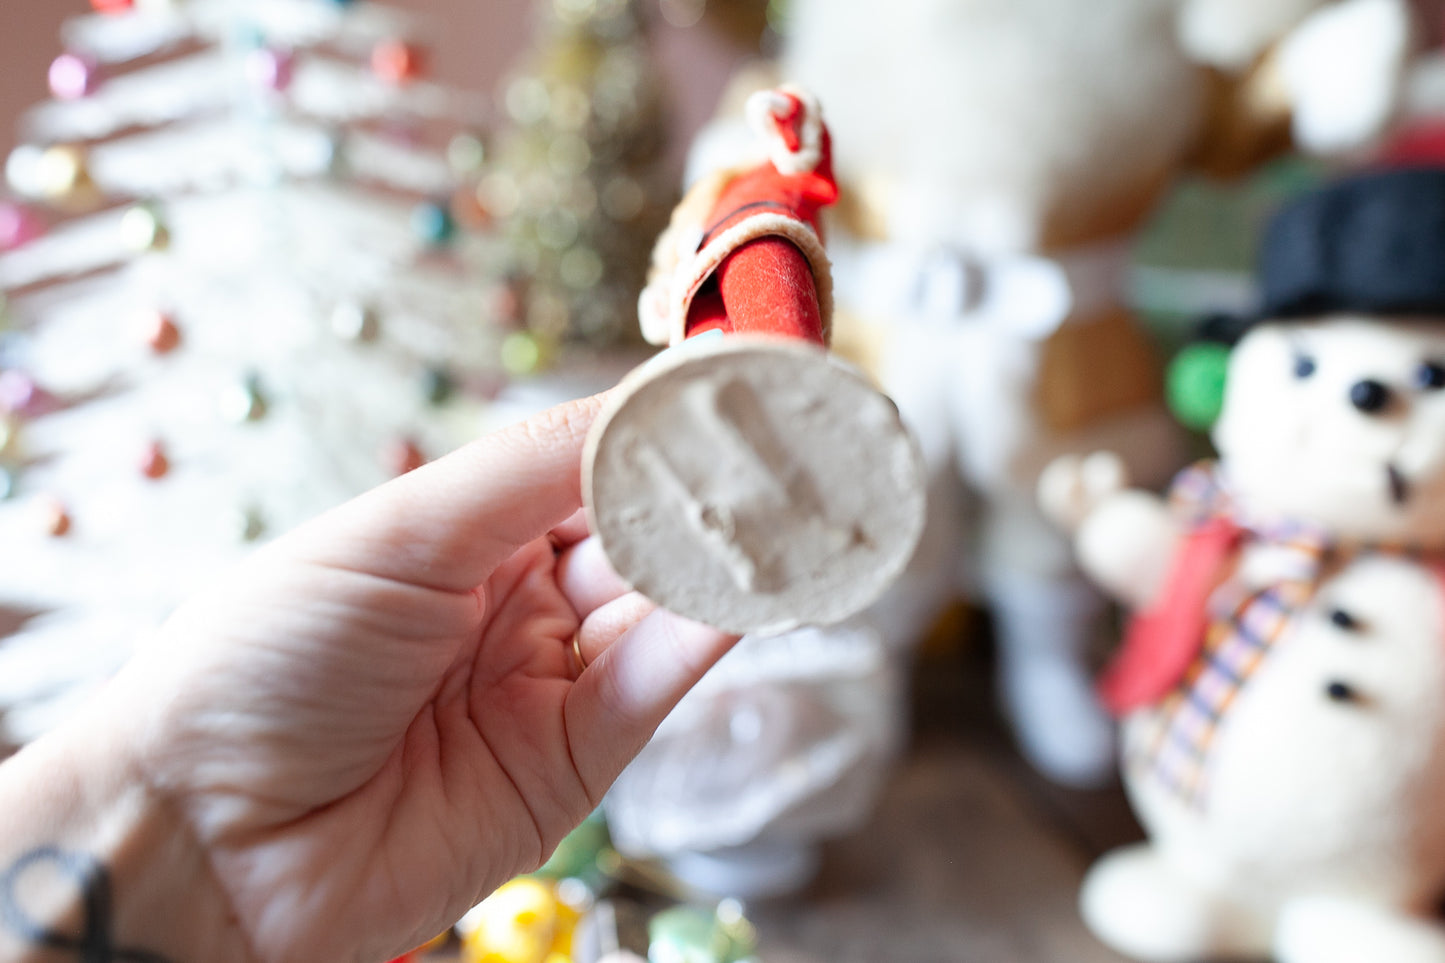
[744, 477]
[1283, 682]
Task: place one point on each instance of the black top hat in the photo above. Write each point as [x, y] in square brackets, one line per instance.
[1373, 243]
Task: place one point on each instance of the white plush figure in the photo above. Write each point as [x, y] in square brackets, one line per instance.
[1283, 683]
[995, 157]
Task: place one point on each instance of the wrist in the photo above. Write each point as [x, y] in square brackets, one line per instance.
[92, 857]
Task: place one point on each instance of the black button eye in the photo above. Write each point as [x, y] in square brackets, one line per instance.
[1344, 620]
[1430, 376]
[1304, 366]
[1369, 396]
[1342, 692]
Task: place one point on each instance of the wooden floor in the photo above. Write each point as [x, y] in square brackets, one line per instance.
[970, 857]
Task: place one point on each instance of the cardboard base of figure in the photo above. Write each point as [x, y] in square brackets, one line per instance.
[755, 484]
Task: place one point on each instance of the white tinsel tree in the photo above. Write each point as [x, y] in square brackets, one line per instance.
[253, 304]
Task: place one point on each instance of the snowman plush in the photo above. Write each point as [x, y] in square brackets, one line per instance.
[1282, 683]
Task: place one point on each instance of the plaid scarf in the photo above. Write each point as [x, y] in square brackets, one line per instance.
[1245, 620]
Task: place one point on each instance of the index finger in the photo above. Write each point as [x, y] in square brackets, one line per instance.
[448, 524]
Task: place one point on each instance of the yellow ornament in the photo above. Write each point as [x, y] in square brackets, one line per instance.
[62, 175]
[523, 922]
[9, 437]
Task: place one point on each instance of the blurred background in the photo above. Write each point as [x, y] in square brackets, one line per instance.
[484, 39]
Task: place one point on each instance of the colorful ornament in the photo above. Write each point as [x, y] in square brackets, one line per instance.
[466, 154]
[153, 463]
[112, 6]
[437, 386]
[9, 436]
[57, 174]
[521, 353]
[396, 61]
[403, 455]
[159, 331]
[247, 525]
[53, 517]
[73, 76]
[20, 395]
[334, 160]
[687, 934]
[525, 921]
[64, 174]
[142, 229]
[244, 402]
[355, 322]
[271, 68]
[577, 856]
[433, 223]
[1194, 386]
[17, 226]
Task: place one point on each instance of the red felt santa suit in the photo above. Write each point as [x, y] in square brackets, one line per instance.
[744, 253]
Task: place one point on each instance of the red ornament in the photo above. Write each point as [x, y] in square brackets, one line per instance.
[154, 463]
[160, 332]
[403, 455]
[396, 61]
[54, 518]
[113, 6]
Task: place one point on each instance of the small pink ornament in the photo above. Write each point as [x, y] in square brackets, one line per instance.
[73, 76]
[20, 395]
[17, 226]
[271, 68]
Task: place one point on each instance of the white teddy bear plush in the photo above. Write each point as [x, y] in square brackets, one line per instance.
[996, 157]
[1283, 681]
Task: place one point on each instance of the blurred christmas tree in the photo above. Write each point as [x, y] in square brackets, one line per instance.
[576, 186]
[253, 303]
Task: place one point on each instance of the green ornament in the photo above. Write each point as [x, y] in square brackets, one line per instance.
[521, 353]
[246, 524]
[686, 934]
[1194, 385]
[437, 386]
[576, 856]
[143, 229]
[244, 401]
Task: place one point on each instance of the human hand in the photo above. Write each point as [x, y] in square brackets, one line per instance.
[380, 717]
